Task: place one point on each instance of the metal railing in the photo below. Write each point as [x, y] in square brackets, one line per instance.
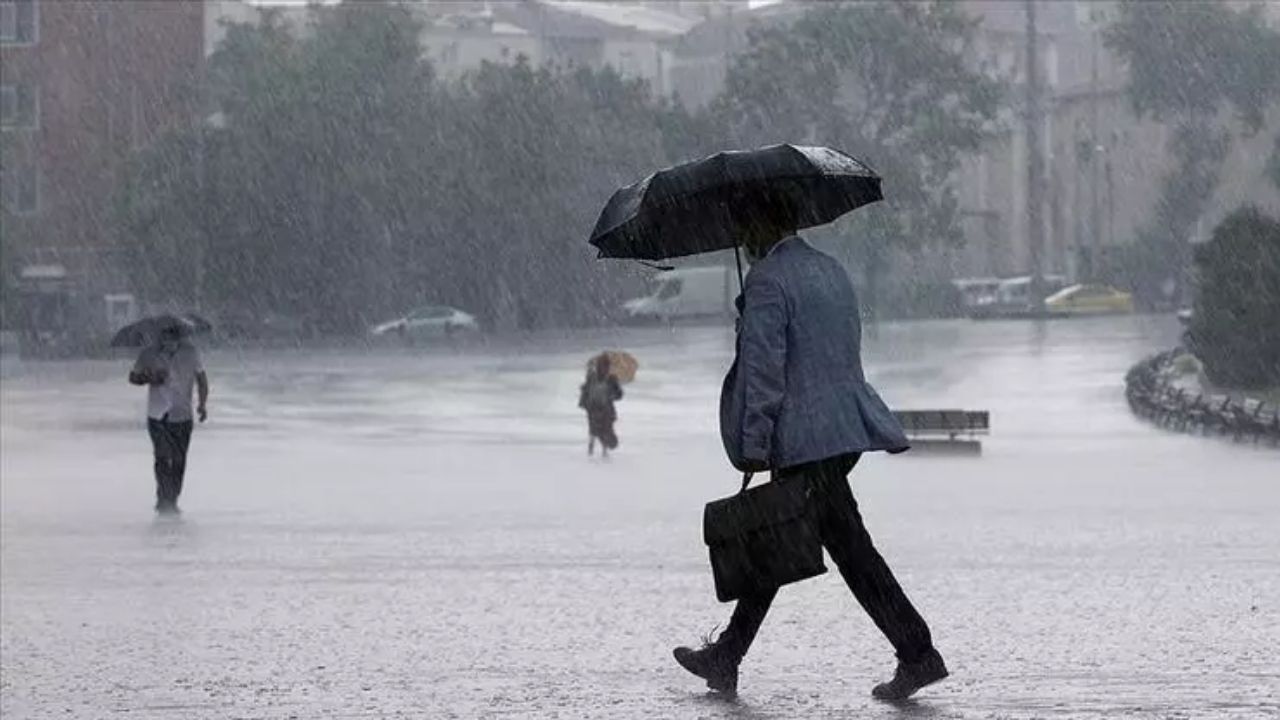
[1153, 397]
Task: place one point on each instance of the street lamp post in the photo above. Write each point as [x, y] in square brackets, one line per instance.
[1035, 164]
[1095, 205]
[202, 215]
[215, 121]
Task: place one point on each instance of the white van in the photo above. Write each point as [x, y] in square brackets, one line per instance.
[1016, 292]
[1012, 297]
[687, 294]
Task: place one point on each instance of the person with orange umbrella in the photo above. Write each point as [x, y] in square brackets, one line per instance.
[603, 387]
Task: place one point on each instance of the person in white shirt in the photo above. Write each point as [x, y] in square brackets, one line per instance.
[170, 368]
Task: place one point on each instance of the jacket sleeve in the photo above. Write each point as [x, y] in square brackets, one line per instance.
[615, 388]
[762, 360]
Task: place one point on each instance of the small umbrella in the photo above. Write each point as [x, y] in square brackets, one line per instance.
[694, 208]
[622, 365]
[147, 330]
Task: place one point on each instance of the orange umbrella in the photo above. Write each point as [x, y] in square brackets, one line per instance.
[622, 365]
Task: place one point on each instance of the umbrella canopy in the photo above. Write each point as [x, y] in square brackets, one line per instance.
[622, 365]
[695, 207]
[147, 330]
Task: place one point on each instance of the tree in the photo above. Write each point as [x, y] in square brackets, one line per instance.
[890, 83]
[157, 210]
[349, 182]
[1234, 328]
[288, 207]
[314, 199]
[10, 249]
[1193, 59]
[544, 149]
[1187, 63]
[1185, 193]
[1273, 165]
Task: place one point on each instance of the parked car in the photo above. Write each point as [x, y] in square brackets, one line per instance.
[1089, 299]
[428, 322]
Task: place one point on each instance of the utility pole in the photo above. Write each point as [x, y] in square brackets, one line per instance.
[202, 181]
[1035, 166]
[202, 213]
[1095, 158]
[1111, 195]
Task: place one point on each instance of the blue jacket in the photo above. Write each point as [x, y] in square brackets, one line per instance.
[796, 392]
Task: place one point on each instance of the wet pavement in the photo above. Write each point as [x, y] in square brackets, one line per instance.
[419, 534]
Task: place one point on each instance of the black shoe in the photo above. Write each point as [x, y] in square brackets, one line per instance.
[167, 508]
[910, 677]
[721, 674]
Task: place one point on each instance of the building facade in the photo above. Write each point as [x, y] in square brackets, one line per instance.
[1103, 164]
[83, 86]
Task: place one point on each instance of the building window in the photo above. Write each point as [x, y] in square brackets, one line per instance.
[19, 177]
[19, 107]
[18, 22]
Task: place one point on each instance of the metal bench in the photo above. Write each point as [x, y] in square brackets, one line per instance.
[951, 430]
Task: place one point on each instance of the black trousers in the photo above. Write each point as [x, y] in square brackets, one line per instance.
[865, 572]
[170, 441]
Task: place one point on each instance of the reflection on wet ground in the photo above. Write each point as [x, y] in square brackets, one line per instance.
[419, 534]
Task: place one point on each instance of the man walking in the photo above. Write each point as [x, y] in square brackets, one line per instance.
[170, 368]
[798, 404]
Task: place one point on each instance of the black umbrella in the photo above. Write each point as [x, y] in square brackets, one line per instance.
[694, 208]
[147, 330]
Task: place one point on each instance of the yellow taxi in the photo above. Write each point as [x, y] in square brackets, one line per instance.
[1089, 299]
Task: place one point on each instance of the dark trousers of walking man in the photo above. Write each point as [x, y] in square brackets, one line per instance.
[170, 441]
[864, 570]
[796, 402]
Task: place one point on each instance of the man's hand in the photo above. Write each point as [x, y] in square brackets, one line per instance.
[203, 413]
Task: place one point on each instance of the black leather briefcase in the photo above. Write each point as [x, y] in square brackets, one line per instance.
[762, 538]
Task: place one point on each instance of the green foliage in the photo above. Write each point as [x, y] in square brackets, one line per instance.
[1187, 62]
[1234, 329]
[157, 206]
[1185, 193]
[887, 82]
[349, 183]
[1194, 58]
[543, 150]
[12, 243]
[1273, 165]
